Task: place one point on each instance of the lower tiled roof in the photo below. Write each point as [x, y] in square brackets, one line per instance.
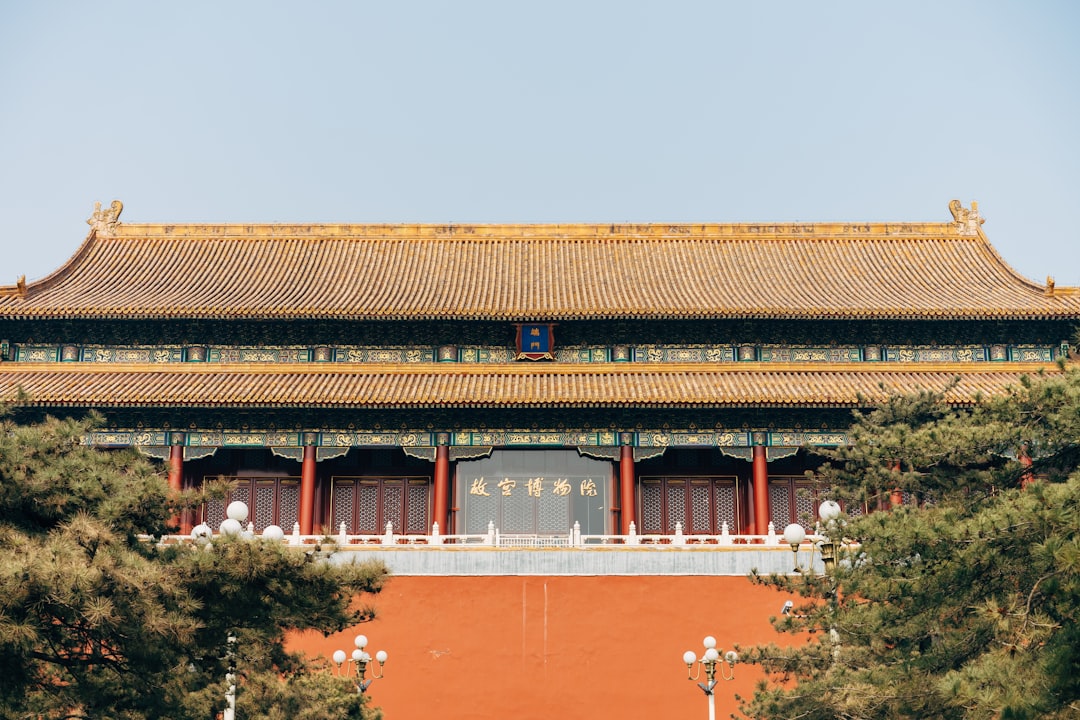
[342, 385]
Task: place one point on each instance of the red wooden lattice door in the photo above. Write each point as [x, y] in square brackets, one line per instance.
[270, 501]
[366, 504]
[701, 504]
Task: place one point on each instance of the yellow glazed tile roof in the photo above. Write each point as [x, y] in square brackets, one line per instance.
[538, 272]
[341, 385]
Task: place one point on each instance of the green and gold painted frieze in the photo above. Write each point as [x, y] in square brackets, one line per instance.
[650, 353]
[657, 438]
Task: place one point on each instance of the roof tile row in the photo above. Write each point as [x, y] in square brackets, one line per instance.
[549, 385]
[537, 272]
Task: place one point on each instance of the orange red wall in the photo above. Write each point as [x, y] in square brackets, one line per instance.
[501, 647]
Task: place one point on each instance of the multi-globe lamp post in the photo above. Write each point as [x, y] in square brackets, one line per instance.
[358, 664]
[712, 661]
[794, 535]
[236, 514]
[829, 513]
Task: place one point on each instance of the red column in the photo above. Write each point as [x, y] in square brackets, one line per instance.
[442, 488]
[626, 488]
[176, 483]
[761, 491]
[746, 514]
[896, 497]
[307, 491]
[1027, 478]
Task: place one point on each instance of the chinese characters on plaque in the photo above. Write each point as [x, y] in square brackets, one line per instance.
[535, 487]
[535, 341]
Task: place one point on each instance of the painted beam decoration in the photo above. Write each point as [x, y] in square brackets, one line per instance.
[510, 438]
[534, 342]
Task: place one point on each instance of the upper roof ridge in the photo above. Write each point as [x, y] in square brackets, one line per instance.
[533, 272]
[541, 231]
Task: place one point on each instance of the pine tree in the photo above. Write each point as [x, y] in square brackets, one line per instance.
[965, 604]
[98, 622]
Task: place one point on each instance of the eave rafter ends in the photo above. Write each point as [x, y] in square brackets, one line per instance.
[526, 273]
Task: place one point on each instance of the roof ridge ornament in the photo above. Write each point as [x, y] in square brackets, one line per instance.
[17, 290]
[104, 222]
[967, 221]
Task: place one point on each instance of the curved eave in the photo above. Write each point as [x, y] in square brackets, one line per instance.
[538, 273]
[448, 386]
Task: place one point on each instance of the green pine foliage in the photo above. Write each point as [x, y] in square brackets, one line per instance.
[965, 605]
[96, 621]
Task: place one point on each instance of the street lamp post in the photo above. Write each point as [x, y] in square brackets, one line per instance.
[236, 515]
[829, 513]
[711, 661]
[233, 524]
[358, 664]
[794, 534]
[230, 677]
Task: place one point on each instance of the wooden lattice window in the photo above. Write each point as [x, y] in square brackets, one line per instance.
[270, 501]
[366, 504]
[794, 499]
[702, 504]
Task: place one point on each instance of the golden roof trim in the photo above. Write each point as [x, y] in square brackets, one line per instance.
[537, 231]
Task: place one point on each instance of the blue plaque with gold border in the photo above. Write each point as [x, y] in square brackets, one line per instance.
[535, 341]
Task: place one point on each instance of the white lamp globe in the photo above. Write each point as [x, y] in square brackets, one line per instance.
[731, 657]
[689, 657]
[709, 641]
[237, 511]
[794, 534]
[829, 511]
[339, 656]
[357, 655]
[273, 532]
[230, 526]
[711, 655]
[361, 641]
[381, 656]
[201, 533]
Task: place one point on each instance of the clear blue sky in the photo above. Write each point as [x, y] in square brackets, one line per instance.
[606, 111]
